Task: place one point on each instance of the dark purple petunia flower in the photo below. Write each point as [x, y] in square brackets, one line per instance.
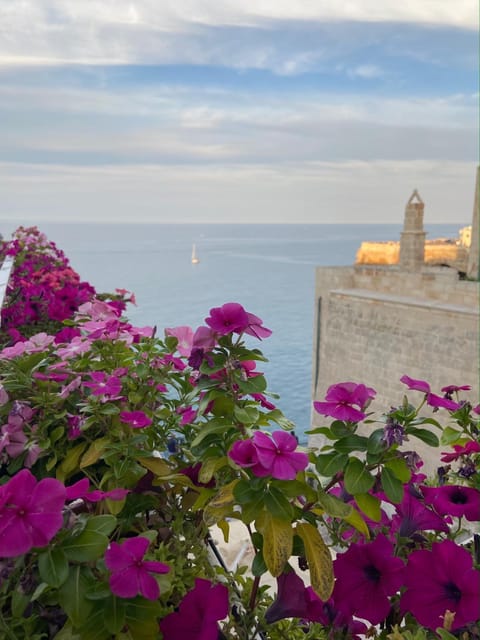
[366, 576]
[454, 500]
[439, 580]
[412, 516]
[198, 613]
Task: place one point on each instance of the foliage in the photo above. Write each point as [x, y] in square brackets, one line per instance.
[119, 450]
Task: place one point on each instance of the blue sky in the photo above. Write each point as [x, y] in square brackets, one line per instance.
[237, 110]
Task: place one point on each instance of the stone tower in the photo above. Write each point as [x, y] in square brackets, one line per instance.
[473, 266]
[412, 238]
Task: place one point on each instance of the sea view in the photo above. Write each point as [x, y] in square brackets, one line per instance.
[269, 269]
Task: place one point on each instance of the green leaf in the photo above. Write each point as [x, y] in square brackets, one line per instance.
[350, 443]
[375, 442]
[214, 426]
[358, 478]
[94, 452]
[333, 505]
[89, 545]
[355, 519]
[258, 565]
[391, 485]
[328, 464]
[318, 558]
[246, 415]
[72, 595]
[369, 505]
[71, 461]
[400, 469]
[245, 491]
[220, 505]
[277, 542]
[141, 618]
[425, 435]
[257, 384]
[278, 505]
[115, 611]
[450, 436]
[339, 429]
[102, 524]
[53, 567]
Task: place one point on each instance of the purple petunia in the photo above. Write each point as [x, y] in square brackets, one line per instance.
[454, 500]
[198, 613]
[442, 580]
[366, 576]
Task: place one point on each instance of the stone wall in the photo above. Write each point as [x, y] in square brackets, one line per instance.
[374, 324]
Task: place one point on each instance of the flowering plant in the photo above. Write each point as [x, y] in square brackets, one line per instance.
[119, 451]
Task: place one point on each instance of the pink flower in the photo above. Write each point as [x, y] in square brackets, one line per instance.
[30, 513]
[130, 572]
[277, 454]
[102, 385]
[204, 337]
[367, 575]
[454, 500]
[184, 336]
[135, 419]
[188, 415]
[255, 327]
[467, 449]
[198, 613]
[439, 580]
[340, 398]
[416, 385]
[75, 348]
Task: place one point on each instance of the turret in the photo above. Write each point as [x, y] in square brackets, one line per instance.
[412, 238]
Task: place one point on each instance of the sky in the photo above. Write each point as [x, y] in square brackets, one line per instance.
[286, 111]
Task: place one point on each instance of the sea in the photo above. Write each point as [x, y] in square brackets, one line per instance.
[268, 268]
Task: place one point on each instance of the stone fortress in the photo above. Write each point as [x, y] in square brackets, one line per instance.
[375, 322]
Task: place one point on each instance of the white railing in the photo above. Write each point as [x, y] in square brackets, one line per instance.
[5, 270]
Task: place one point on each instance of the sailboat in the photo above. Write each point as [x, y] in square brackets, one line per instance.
[195, 259]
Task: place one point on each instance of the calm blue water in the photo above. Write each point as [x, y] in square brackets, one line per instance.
[269, 269]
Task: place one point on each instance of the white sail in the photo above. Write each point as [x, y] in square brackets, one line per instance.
[195, 259]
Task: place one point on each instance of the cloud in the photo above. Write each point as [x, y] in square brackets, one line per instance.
[236, 33]
[303, 193]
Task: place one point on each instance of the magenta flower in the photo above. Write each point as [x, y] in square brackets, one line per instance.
[413, 515]
[454, 500]
[453, 388]
[30, 513]
[81, 490]
[443, 403]
[102, 385]
[204, 338]
[467, 449]
[198, 613]
[439, 580]
[135, 419]
[228, 318]
[340, 398]
[244, 453]
[415, 385]
[255, 327]
[277, 454]
[130, 572]
[366, 576]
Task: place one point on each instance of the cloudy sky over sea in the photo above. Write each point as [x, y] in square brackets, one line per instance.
[237, 110]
